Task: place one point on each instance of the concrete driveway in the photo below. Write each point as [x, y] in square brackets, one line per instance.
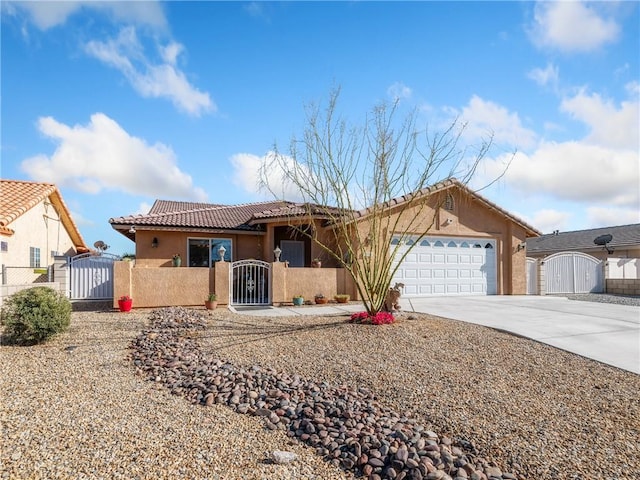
[605, 332]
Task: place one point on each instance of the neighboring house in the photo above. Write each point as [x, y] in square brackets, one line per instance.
[474, 246]
[35, 225]
[625, 242]
[621, 251]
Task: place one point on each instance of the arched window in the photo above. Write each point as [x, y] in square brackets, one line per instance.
[425, 243]
[464, 245]
[410, 241]
[488, 245]
[438, 244]
[452, 244]
[395, 241]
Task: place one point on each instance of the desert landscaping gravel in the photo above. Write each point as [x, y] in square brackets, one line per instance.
[76, 408]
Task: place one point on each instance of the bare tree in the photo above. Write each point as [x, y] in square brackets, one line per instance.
[368, 184]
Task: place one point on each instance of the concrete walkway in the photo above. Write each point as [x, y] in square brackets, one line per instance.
[600, 331]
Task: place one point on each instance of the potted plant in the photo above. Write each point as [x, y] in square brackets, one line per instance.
[320, 299]
[298, 300]
[211, 302]
[177, 260]
[125, 303]
[316, 263]
[341, 298]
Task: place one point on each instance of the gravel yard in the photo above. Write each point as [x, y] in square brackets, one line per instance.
[74, 407]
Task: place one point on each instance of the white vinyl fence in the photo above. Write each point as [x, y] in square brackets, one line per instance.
[623, 268]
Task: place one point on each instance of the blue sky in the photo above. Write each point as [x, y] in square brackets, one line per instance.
[123, 103]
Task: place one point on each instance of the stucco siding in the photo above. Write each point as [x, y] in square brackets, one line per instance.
[32, 229]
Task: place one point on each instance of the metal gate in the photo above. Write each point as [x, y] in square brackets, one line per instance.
[573, 272]
[532, 276]
[91, 276]
[250, 282]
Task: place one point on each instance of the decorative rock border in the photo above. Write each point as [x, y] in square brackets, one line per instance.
[346, 425]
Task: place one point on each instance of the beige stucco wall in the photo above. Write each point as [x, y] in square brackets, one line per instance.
[33, 230]
[469, 219]
[309, 282]
[170, 243]
[160, 287]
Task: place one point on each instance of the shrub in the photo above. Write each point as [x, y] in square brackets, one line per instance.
[34, 315]
[380, 318]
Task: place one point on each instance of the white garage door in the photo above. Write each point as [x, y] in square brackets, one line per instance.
[448, 266]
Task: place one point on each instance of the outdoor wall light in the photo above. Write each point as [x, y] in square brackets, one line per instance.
[132, 230]
[522, 246]
[221, 252]
[154, 242]
[277, 253]
[448, 221]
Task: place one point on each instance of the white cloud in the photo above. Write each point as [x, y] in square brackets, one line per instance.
[247, 169]
[126, 53]
[572, 26]
[484, 117]
[143, 209]
[545, 76]
[575, 171]
[605, 217]
[610, 126]
[547, 220]
[399, 91]
[102, 155]
[47, 14]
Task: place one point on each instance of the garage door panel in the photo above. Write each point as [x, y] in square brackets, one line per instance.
[448, 266]
[410, 273]
[425, 273]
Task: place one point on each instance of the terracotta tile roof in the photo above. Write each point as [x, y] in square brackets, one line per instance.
[169, 206]
[204, 216]
[580, 240]
[18, 197]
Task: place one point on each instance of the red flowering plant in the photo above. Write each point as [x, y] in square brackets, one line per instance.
[379, 318]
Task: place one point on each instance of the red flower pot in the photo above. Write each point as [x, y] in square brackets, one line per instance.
[125, 305]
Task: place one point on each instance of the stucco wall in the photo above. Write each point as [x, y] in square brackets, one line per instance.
[170, 243]
[470, 219]
[309, 282]
[33, 230]
[160, 287]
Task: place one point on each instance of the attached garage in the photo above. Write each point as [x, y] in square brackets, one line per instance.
[447, 266]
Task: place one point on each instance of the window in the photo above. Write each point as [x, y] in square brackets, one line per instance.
[4, 246]
[34, 257]
[203, 252]
[438, 244]
[488, 245]
[452, 244]
[425, 243]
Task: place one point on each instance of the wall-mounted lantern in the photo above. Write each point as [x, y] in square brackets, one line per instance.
[154, 242]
